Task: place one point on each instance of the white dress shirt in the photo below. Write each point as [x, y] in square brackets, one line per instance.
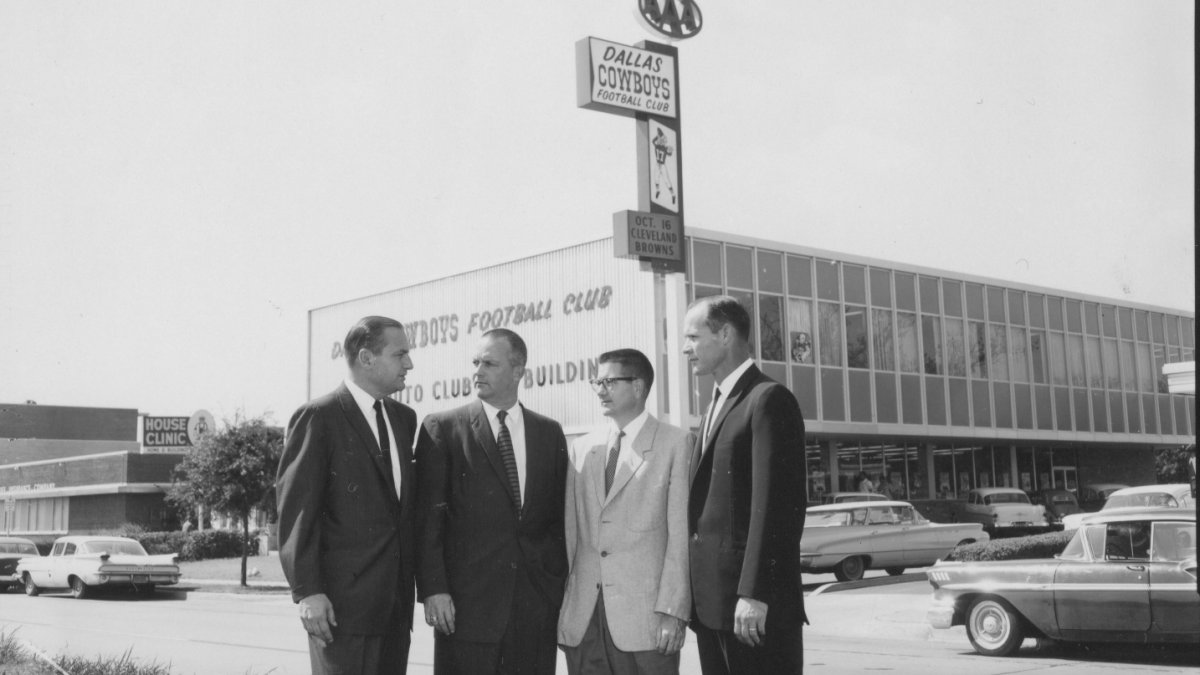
[515, 421]
[631, 431]
[726, 386]
[366, 403]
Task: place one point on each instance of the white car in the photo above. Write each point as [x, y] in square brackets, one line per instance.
[851, 537]
[83, 563]
[1171, 496]
[1003, 508]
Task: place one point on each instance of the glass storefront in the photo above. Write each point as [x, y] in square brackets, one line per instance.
[864, 345]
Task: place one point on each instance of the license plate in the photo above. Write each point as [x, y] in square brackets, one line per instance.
[1021, 522]
[141, 578]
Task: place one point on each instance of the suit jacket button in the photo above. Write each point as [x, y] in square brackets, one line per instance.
[603, 554]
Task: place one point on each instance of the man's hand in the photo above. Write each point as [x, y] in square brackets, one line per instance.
[750, 621]
[439, 613]
[670, 634]
[316, 613]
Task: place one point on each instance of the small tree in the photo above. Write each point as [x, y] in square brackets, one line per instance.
[1171, 464]
[231, 471]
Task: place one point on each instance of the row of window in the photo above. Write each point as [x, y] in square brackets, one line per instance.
[734, 267]
[1020, 339]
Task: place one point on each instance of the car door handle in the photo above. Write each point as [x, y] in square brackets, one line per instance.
[1136, 568]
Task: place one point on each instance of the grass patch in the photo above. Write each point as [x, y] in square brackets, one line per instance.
[17, 659]
[124, 664]
[230, 569]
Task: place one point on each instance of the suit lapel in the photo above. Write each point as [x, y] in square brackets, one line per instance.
[638, 447]
[481, 428]
[369, 443]
[731, 401]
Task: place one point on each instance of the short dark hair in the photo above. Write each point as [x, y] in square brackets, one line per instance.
[367, 334]
[636, 362]
[520, 355]
[722, 310]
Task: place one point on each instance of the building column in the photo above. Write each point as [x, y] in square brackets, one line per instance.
[925, 459]
[829, 455]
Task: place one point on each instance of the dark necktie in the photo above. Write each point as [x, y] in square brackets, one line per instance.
[385, 446]
[712, 411]
[505, 444]
[610, 469]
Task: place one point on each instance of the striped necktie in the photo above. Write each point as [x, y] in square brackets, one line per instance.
[610, 469]
[505, 444]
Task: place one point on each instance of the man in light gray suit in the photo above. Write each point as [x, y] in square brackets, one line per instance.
[628, 594]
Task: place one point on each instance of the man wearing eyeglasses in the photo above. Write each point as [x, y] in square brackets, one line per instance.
[628, 593]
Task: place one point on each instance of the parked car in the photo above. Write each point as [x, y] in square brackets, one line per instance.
[12, 549]
[840, 497]
[1058, 503]
[83, 563]
[848, 538]
[1003, 509]
[1126, 576]
[1171, 495]
[1093, 495]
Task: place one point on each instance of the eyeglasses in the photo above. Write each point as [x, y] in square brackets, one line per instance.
[608, 382]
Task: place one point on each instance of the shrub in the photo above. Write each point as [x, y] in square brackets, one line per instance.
[1036, 546]
[196, 545]
[216, 544]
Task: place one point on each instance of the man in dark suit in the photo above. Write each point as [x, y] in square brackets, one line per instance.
[346, 494]
[492, 560]
[746, 508]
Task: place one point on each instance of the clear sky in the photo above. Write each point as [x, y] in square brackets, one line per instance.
[180, 182]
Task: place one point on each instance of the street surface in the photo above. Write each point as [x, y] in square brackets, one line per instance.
[877, 628]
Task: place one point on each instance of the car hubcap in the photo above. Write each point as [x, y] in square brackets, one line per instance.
[991, 626]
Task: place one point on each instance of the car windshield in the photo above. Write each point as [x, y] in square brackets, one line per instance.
[18, 548]
[1141, 499]
[1173, 542]
[1006, 498]
[827, 519]
[112, 547]
[1086, 539]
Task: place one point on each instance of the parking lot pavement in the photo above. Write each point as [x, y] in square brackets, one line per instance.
[878, 607]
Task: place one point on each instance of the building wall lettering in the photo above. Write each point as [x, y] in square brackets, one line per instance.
[444, 329]
[567, 372]
[26, 488]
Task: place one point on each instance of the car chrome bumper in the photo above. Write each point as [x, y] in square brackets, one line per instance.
[130, 579]
[940, 615]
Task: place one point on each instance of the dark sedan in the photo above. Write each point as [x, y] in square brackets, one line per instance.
[1058, 503]
[1125, 577]
[13, 549]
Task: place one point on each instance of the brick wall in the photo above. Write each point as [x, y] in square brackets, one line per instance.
[68, 422]
[20, 450]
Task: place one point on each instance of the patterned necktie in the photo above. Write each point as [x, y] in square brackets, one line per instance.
[505, 444]
[385, 446]
[610, 469]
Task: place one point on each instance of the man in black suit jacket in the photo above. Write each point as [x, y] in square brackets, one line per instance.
[346, 494]
[492, 562]
[747, 501]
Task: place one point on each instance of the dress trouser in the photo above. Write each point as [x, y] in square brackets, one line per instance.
[597, 654]
[528, 647]
[362, 654]
[781, 651]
